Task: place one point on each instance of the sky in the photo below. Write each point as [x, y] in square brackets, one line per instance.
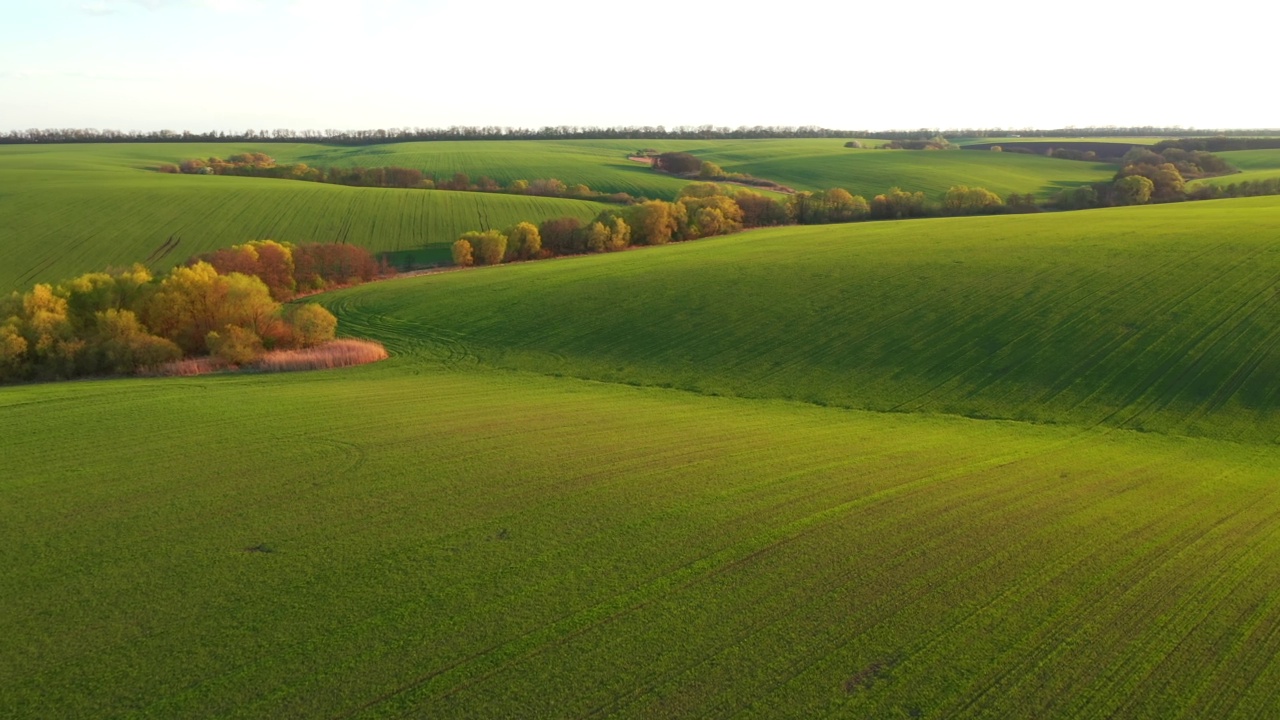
[318, 64]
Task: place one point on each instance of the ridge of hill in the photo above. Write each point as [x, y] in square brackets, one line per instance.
[1159, 318]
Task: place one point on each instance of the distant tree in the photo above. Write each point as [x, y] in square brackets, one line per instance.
[1133, 190]
[700, 190]
[654, 222]
[805, 209]
[726, 218]
[759, 210]
[519, 187]
[898, 204]
[677, 163]
[1076, 198]
[963, 200]
[560, 235]
[548, 187]
[463, 253]
[596, 237]
[843, 206]
[489, 246]
[619, 235]
[523, 242]
[710, 170]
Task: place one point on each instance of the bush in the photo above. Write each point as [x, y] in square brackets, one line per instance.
[235, 345]
[312, 325]
[489, 247]
[463, 255]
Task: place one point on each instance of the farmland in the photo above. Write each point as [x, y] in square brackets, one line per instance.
[68, 209]
[801, 164]
[1253, 165]
[667, 482]
[65, 210]
[1156, 318]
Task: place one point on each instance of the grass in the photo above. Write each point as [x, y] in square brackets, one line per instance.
[69, 209]
[1253, 165]
[821, 164]
[376, 542]
[469, 530]
[1152, 318]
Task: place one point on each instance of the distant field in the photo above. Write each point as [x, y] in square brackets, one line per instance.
[547, 504]
[1029, 139]
[820, 164]
[69, 209]
[1253, 164]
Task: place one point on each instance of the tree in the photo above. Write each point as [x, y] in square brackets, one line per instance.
[897, 204]
[710, 170]
[463, 254]
[523, 242]
[235, 345]
[1076, 198]
[312, 325]
[842, 206]
[13, 352]
[805, 209]
[962, 199]
[596, 237]
[194, 301]
[724, 216]
[560, 235]
[759, 210]
[619, 235]
[1133, 190]
[654, 222]
[489, 246]
[677, 163]
[122, 345]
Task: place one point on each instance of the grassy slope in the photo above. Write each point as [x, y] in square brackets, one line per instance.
[68, 209]
[821, 164]
[450, 539]
[1156, 318]
[450, 543]
[1253, 165]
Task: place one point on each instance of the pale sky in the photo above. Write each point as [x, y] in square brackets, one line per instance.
[316, 64]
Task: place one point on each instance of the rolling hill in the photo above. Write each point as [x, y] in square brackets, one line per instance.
[653, 483]
[68, 209]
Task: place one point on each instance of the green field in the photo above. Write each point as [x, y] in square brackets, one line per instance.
[1146, 318]
[1253, 165]
[68, 209]
[820, 164]
[652, 484]
[801, 164]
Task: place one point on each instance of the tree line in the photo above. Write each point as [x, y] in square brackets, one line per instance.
[1148, 175]
[575, 132]
[226, 305]
[708, 209]
[257, 164]
[417, 134]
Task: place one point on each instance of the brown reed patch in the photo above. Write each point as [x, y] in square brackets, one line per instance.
[183, 368]
[333, 354]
